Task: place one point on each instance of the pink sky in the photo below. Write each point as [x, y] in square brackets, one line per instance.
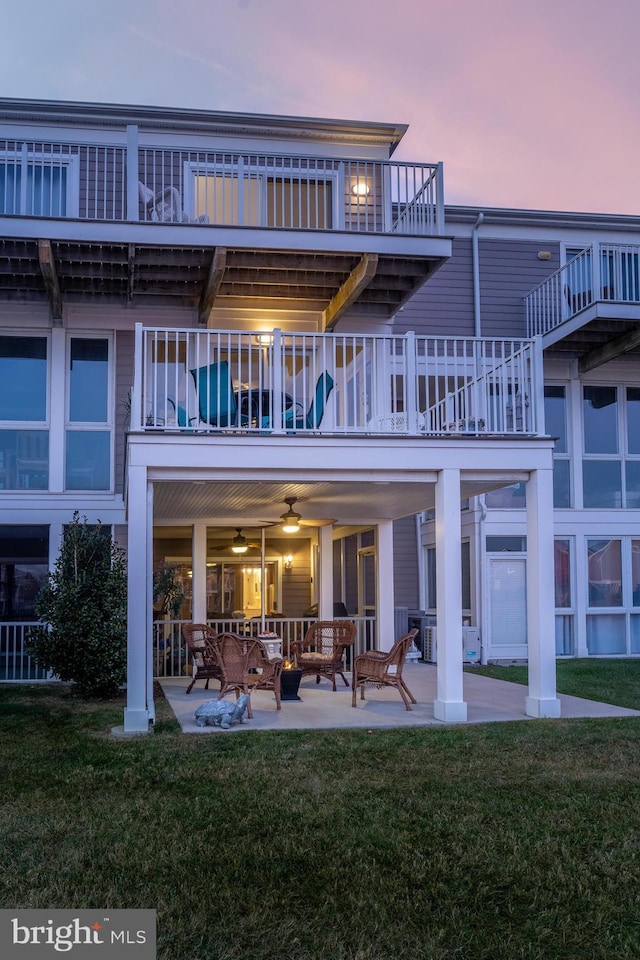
[529, 104]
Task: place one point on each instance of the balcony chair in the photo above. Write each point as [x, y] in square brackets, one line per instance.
[293, 419]
[323, 648]
[217, 400]
[245, 666]
[384, 669]
[199, 639]
[165, 206]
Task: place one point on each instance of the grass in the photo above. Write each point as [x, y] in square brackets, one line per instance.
[506, 841]
[609, 680]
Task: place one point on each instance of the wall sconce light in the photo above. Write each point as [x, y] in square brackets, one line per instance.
[544, 255]
[288, 562]
[360, 188]
[264, 339]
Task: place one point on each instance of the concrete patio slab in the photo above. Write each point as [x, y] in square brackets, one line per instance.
[488, 701]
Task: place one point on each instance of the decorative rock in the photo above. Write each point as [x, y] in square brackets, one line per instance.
[221, 713]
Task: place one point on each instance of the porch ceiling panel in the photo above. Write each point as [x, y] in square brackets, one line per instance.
[306, 280]
[260, 503]
[602, 332]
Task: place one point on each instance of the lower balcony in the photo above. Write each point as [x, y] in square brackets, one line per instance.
[194, 382]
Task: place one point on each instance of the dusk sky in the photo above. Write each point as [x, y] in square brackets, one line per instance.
[529, 103]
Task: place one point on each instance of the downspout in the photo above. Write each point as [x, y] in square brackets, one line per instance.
[477, 323]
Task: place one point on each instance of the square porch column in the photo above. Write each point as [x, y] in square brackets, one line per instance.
[199, 573]
[385, 598]
[542, 700]
[449, 704]
[325, 573]
[137, 714]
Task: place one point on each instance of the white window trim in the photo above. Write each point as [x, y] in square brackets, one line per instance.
[91, 426]
[69, 161]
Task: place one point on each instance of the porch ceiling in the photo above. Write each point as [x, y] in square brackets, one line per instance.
[260, 503]
[205, 277]
[601, 332]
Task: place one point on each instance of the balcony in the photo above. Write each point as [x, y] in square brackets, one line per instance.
[198, 383]
[140, 223]
[590, 307]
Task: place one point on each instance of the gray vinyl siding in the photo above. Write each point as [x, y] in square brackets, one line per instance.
[405, 563]
[124, 381]
[509, 269]
[444, 304]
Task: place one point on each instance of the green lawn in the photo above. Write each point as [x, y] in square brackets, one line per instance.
[505, 841]
[611, 681]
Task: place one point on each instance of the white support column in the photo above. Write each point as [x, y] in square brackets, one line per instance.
[199, 573]
[542, 700]
[325, 574]
[449, 704]
[136, 714]
[385, 598]
[149, 606]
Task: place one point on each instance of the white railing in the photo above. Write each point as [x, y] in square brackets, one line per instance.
[15, 662]
[126, 181]
[203, 381]
[604, 271]
[170, 656]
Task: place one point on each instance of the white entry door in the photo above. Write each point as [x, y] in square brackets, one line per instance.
[507, 607]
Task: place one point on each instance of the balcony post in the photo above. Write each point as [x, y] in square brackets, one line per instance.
[596, 278]
[440, 200]
[137, 713]
[135, 412]
[133, 174]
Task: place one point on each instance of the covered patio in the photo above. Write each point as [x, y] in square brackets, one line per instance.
[319, 708]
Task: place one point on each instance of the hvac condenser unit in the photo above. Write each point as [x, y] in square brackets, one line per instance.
[429, 644]
[470, 645]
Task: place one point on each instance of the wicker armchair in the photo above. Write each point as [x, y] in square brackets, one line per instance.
[198, 638]
[238, 658]
[384, 669]
[322, 650]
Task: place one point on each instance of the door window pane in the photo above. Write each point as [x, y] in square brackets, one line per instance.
[89, 381]
[24, 562]
[600, 411]
[88, 461]
[632, 478]
[635, 572]
[564, 636]
[635, 633]
[605, 573]
[562, 569]
[561, 485]
[23, 378]
[601, 480]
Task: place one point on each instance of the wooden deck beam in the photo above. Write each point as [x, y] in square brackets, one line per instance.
[50, 277]
[359, 278]
[212, 285]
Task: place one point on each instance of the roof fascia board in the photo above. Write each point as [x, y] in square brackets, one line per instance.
[513, 216]
[204, 121]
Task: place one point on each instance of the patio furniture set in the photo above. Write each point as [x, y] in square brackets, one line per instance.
[244, 664]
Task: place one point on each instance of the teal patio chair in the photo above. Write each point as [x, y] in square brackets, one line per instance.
[217, 400]
[294, 420]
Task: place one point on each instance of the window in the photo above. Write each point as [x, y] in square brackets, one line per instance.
[88, 450]
[611, 443]
[507, 498]
[24, 563]
[24, 451]
[38, 184]
[555, 412]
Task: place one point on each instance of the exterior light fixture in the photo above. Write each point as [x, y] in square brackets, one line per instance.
[288, 562]
[264, 339]
[239, 543]
[360, 188]
[290, 520]
[544, 255]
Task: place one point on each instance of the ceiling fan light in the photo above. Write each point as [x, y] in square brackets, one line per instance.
[290, 520]
[239, 543]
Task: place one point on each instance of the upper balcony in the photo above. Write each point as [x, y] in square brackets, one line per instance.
[314, 234]
[206, 383]
[589, 309]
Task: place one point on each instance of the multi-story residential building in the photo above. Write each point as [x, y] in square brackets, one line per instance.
[210, 320]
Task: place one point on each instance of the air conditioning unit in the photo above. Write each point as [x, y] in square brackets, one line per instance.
[429, 644]
[471, 645]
